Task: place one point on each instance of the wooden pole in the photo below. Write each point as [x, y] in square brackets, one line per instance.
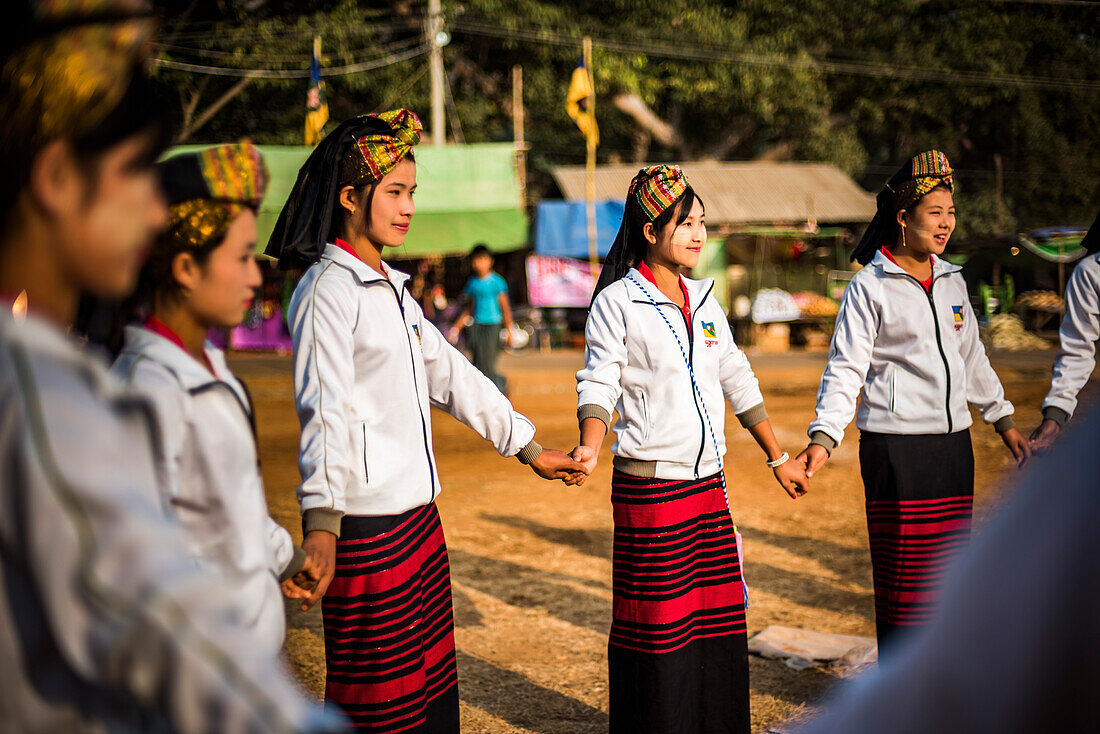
[434, 26]
[590, 164]
[517, 133]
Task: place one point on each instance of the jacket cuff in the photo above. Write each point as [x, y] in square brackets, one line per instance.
[322, 518]
[1058, 415]
[591, 410]
[529, 453]
[1004, 424]
[296, 562]
[824, 440]
[756, 414]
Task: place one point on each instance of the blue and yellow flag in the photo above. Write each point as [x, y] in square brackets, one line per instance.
[577, 104]
[316, 101]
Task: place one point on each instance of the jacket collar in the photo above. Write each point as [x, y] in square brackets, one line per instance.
[143, 343]
[697, 290]
[365, 273]
[886, 265]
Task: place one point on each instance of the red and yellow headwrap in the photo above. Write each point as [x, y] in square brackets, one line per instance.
[925, 172]
[376, 153]
[75, 68]
[208, 189]
[656, 188]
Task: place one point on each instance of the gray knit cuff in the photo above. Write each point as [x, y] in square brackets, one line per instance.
[1004, 424]
[529, 453]
[591, 410]
[756, 414]
[824, 440]
[320, 518]
[1059, 416]
[296, 562]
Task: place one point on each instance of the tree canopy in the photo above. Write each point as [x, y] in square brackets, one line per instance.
[1008, 84]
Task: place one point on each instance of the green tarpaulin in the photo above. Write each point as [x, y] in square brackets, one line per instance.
[465, 194]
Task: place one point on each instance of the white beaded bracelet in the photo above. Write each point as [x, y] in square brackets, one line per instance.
[779, 462]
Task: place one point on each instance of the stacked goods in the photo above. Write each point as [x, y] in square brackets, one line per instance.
[1007, 332]
[1041, 300]
[812, 305]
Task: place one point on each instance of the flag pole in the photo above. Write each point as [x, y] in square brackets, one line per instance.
[590, 163]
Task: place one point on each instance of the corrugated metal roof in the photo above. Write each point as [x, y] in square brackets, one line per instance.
[745, 192]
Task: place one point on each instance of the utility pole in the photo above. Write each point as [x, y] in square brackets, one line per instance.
[590, 163]
[434, 29]
[517, 133]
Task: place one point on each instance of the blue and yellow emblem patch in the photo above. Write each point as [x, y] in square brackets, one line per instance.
[708, 329]
[958, 311]
[416, 330]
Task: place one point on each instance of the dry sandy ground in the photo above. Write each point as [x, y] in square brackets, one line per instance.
[531, 560]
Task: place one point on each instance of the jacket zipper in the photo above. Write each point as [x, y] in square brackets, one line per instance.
[939, 345]
[416, 389]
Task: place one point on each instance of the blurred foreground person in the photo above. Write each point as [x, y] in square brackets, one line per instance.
[202, 275]
[1077, 343]
[1012, 649]
[106, 624]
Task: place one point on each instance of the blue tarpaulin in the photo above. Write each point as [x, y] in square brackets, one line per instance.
[561, 229]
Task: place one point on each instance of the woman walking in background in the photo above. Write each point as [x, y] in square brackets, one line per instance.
[906, 338]
[367, 369]
[660, 352]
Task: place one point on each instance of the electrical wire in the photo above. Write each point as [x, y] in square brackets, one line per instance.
[388, 60]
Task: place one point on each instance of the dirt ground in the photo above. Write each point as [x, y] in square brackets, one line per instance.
[531, 560]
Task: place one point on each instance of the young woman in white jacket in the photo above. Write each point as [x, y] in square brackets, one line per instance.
[368, 367]
[202, 274]
[1077, 343]
[906, 338]
[660, 352]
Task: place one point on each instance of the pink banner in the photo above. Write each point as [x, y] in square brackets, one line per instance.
[559, 282]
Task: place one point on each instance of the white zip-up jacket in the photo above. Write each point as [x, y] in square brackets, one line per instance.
[634, 365]
[210, 473]
[1080, 329]
[367, 369]
[914, 354]
[106, 624]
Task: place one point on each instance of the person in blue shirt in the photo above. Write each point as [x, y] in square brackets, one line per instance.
[486, 309]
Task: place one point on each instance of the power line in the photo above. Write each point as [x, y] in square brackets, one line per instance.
[361, 66]
[855, 68]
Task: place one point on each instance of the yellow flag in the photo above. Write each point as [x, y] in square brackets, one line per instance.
[316, 100]
[578, 107]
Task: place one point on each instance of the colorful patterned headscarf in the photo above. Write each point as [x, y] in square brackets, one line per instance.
[358, 152]
[71, 64]
[377, 153]
[657, 188]
[909, 185]
[207, 190]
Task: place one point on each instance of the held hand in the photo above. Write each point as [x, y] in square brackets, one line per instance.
[554, 464]
[300, 584]
[792, 478]
[586, 456]
[812, 458]
[1018, 445]
[1042, 438]
[320, 548]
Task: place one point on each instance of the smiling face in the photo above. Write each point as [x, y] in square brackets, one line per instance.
[392, 208]
[219, 292]
[928, 224]
[679, 245]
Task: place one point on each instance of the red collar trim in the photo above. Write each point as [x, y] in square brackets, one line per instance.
[347, 248]
[686, 310]
[926, 283]
[160, 328]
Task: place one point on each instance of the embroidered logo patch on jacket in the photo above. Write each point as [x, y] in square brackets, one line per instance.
[708, 329]
[958, 311]
[416, 330]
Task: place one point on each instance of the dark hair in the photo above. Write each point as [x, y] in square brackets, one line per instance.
[140, 110]
[479, 250]
[366, 193]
